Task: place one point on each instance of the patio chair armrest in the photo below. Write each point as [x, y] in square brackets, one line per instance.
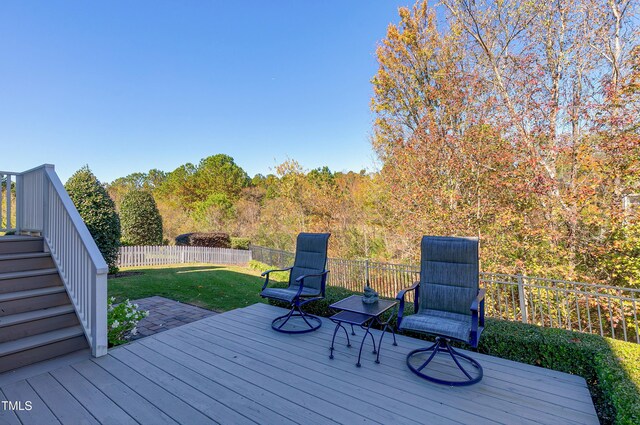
[402, 292]
[266, 275]
[300, 280]
[477, 317]
[475, 304]
[400, 297]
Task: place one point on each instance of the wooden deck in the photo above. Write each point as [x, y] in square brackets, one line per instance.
[232, 368]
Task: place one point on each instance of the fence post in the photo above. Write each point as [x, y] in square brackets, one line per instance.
[523, 300]
[366, 271]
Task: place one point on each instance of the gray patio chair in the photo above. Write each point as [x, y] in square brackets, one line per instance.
[448, 304]
[307, 281]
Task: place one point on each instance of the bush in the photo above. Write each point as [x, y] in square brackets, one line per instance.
[122, 320]
[282, 277]
[211, 240]
[140, 219]
[98, 212]
[240, 243]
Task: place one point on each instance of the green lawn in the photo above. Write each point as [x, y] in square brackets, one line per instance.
[218, 288]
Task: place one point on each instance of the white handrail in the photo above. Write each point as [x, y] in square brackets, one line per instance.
[43, 206]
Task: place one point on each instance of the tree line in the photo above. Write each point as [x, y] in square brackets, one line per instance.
[516, 122]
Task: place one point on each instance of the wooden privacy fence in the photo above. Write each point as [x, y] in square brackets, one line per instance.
[134, 256]
[605, 310]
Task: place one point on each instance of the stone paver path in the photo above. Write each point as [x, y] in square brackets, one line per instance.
[166, 314]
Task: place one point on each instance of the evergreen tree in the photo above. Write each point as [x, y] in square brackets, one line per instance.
[98, 211]
[140, 218]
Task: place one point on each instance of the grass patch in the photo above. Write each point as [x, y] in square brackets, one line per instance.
[219, 288]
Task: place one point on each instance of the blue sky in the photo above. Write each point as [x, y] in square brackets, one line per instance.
[127, 86]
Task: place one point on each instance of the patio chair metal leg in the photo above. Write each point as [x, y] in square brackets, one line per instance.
[442, 345]
[456, 354]
[288, 316]
[352, 331]
[435, 347]
[304, 318]
[312, 322]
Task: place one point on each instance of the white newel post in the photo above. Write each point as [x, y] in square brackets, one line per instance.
[99, 314]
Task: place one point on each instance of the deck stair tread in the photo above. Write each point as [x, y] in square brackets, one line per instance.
[29, 316]
[11, 296]
[19, 238]
[28, 273]
[35, 341]
[24, 255]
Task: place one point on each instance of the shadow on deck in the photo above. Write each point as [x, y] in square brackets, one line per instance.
[232, 368]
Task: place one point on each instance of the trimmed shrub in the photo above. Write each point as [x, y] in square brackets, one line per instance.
[611, 367]
[240, 243]
[140, 219]
[211, 240]
[98, 211]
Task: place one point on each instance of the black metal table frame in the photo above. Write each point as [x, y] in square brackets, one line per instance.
[365, 322]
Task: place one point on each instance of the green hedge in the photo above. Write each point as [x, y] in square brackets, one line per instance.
[209, 240]
[610, 367]
[240, 243]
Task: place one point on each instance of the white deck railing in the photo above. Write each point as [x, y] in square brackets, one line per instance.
[43, 206]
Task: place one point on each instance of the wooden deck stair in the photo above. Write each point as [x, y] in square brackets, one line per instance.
[37, 320]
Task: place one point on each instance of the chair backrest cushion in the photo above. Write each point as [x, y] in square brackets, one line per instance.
[311, 258]
[449, 273]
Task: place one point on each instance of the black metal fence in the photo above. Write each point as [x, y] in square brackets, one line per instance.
[605, 310]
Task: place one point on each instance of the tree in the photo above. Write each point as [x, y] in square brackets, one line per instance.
[214, 214]
[219, 174]
[140, 218]
[502, 123]
[98, 211]
[148, 181]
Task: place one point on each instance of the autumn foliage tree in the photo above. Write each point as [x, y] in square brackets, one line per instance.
[495, 124]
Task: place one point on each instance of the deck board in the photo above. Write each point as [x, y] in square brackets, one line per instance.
[7, 417]
[128, 400]
[38, 414]
[494, 402]
[66, 408]
[233, 368]
[101, 407]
